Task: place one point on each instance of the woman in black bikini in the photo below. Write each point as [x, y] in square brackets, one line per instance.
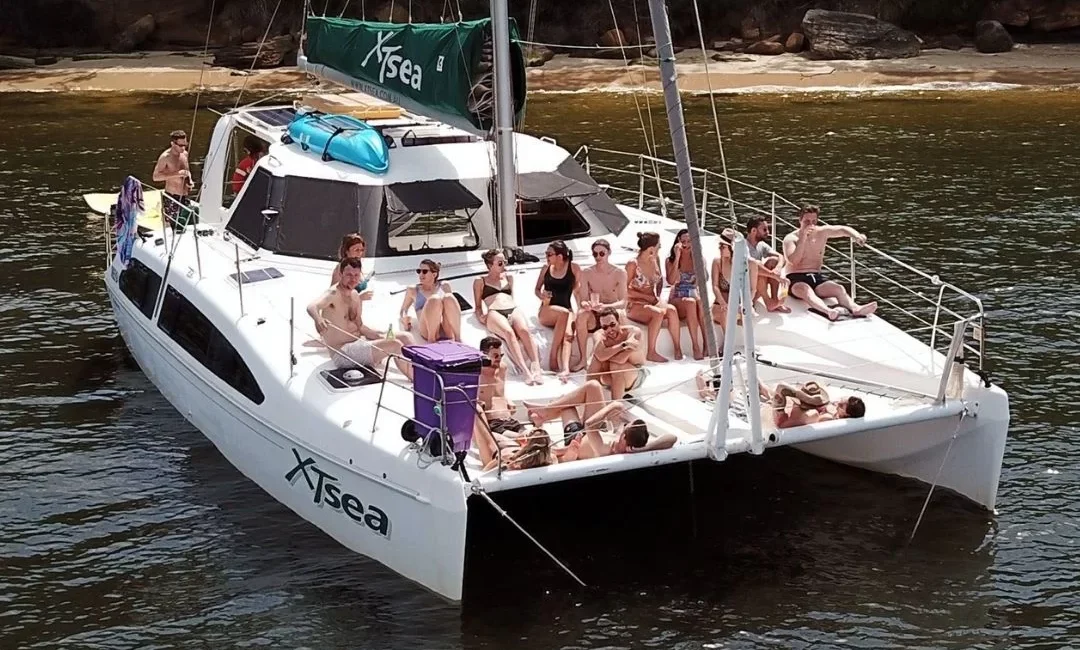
[558, 281]
[493, 295]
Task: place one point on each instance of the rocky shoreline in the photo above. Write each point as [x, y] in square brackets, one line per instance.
[1026, 66]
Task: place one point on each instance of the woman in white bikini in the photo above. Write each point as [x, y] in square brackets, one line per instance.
[493, 295]
[437, 310]
[644, 306]
[684, 293]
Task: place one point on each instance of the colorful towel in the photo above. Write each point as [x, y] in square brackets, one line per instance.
[129, 203]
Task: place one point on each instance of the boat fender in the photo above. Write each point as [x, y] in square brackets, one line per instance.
[985, 376]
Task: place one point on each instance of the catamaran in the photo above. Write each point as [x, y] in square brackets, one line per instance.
[213, 311]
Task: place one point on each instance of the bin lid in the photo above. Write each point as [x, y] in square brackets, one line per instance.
[443, 355]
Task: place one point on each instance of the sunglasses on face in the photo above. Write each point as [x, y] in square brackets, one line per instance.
[599, 253]
[500, 263]
[423, 271]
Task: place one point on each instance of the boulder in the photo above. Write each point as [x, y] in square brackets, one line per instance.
[273, 53]
[795, 43]
[392, 12]
[730, 45]
[951, 42]
[766, 47]
[537, 55]
[1052, 17]
[613, 38]
[992, 37]
[1014, 13]
[841, 35]
[749, 30]
[9, 62]
[135, 34]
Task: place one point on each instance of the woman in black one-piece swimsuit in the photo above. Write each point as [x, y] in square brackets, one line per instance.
[555, 287]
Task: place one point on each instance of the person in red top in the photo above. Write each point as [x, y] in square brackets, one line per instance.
[254, 149]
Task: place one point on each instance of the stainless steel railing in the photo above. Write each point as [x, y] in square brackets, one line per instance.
[924, 304]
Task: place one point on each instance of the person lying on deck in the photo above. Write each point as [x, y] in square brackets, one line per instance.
[585, 413]
[809, 403]
[618, 355]
[338, 320]
[805, 253]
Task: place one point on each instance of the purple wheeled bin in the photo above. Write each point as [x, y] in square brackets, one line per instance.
[459, 366]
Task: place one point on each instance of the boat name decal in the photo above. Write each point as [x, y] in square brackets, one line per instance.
[326, 490]
[393, 65]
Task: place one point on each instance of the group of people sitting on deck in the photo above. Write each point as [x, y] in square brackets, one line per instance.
[636, 294]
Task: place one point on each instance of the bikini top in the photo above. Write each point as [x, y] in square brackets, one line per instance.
[642, 282]
[489, 291]
[560, 288]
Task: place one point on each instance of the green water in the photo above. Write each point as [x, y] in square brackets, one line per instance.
[121, 526]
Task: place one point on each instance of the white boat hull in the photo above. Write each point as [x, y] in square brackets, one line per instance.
[970, 464]
[418, 539]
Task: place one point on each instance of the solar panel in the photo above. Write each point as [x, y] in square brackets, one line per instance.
[274, 116]
[258, 275]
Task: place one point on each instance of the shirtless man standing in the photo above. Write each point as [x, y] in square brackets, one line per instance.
[337, 319]
[805, 253]
[607, 284]
[172, 169]
[617, 354]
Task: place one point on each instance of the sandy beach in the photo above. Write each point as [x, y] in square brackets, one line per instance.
[1027, 65]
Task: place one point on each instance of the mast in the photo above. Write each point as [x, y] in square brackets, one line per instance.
[677, 126]
[505, 179]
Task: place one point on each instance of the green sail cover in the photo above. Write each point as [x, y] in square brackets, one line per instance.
[444, 71]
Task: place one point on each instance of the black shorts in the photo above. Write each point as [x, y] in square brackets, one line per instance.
[572, 430]
[812, 280]
[502, 425]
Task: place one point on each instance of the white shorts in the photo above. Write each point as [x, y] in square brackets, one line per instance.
[356, 353]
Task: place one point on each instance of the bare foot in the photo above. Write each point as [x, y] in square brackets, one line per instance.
[832, 314]
[656, 357]
[535, 418]
[577, 366]
[573, 451]
[778, 306]
[564, 376]
[698, 354]
[678, 354]
[866, 309]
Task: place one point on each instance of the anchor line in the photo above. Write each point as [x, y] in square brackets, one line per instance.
[483, 494]
[937, 476]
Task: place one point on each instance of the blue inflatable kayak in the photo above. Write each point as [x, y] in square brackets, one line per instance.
[343, 138]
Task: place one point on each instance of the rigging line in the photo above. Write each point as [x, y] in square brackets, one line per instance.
[626, 63]
[648, 102]
[258, 51]
[937, 476]
[712, 103]
[343, 8]
[202, 71]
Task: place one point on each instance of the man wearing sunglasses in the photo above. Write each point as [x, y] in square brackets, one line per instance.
[601, 286]
[173, 170]
[617, 354]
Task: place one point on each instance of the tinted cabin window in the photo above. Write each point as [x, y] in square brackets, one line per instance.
[546, 220]
[194, 332]
[430, 215]
[247, 220]
[141, 286]
[315, 213]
